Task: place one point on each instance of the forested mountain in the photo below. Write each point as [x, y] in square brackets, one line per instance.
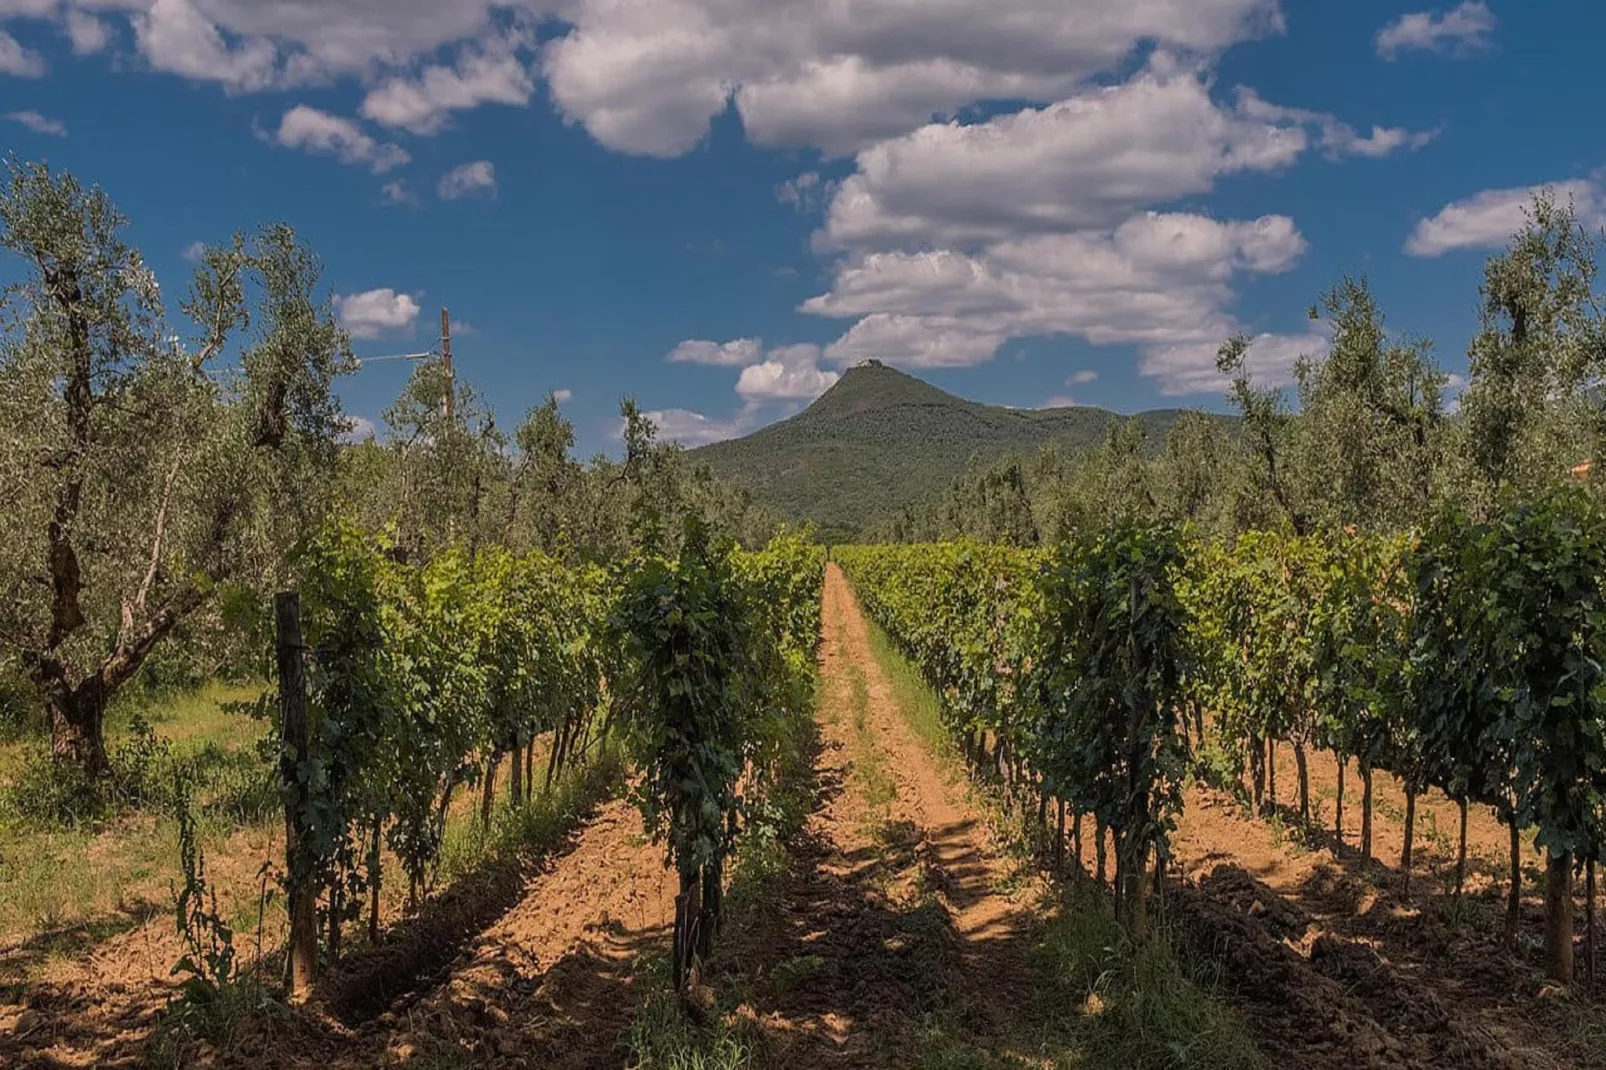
[880, 439]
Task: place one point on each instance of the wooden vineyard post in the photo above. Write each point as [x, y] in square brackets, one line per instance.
[302, 962]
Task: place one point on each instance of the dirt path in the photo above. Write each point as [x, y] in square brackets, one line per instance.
[898, 912]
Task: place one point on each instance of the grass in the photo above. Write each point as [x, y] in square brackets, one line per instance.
[62, 888]
[917, 703]
[1101, 1000]
[662, 1037]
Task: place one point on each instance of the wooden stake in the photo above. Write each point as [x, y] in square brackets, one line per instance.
[302, 962]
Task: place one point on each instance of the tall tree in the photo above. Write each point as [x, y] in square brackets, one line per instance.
[1369, 431]
[1266, 435]
[142, 472]
[1532, 405]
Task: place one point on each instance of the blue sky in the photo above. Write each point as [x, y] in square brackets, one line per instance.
[716, 205]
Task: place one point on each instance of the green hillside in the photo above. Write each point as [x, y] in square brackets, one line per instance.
[879, 439]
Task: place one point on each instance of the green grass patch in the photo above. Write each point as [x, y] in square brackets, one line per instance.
[79, 863]
[663, 1037]
[917, 702]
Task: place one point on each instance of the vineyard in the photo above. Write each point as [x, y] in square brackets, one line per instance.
[1283, 744]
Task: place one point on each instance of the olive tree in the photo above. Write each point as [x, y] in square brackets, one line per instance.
[145, 470]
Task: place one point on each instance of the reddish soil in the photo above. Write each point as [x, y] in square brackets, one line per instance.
[1382, 979]
[899, 906]
[899, 909]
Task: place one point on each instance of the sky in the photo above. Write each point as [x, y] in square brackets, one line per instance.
[715, 206]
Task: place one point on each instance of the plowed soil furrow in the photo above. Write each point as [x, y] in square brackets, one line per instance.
[551, 983]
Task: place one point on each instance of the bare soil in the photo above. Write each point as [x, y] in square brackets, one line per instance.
[899, 917]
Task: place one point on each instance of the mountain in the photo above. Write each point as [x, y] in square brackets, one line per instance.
[880, 439]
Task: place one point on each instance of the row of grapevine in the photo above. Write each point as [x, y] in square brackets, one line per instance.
[717, 656]
[1072, 661]
[1467, 658]
[420, 680]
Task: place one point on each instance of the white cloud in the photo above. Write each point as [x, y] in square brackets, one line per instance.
[469, 178]
[1088, 161]
[1487, 220]
[19, 61]
[694, 429]
[175, 36]
[735, 354]
[1158, 281]
[648, 77]
[311, 130]
[376, 312]
[361, 429]
[1190, 368]
[39, 124]
[488, 72]
[1060, 401]
[397, 192]
[563, 396]
[1464, 30]
[194, 251]
[1337, 139]
[790, 373]
[1082, 378]
[87, 33]
[807, 192]
[249, 45]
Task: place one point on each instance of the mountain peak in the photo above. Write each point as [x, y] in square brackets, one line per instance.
[880, 439]
[871, 385]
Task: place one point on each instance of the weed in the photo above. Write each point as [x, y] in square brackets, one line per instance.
[662, 1037]
[790, 973]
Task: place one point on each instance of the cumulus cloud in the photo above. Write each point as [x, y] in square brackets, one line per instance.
[790, 373]
[734, 354]
[19, 61]
[490, 72]
[194, 251]
[1087, 161]
[250, 45]
[563, 396]
[1487, 220]
[692, 429]
[1082, 378]
[1464, 30]
[376, 312]
[87, 33]
[1190, 367]
[175, 36]
[38, 123]
[315, 131]
[468, 179]
[957, 238]
[648, 78]
[1060, 401]
[1157, 280]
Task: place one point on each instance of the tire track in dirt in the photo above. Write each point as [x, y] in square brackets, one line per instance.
[895, 912]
